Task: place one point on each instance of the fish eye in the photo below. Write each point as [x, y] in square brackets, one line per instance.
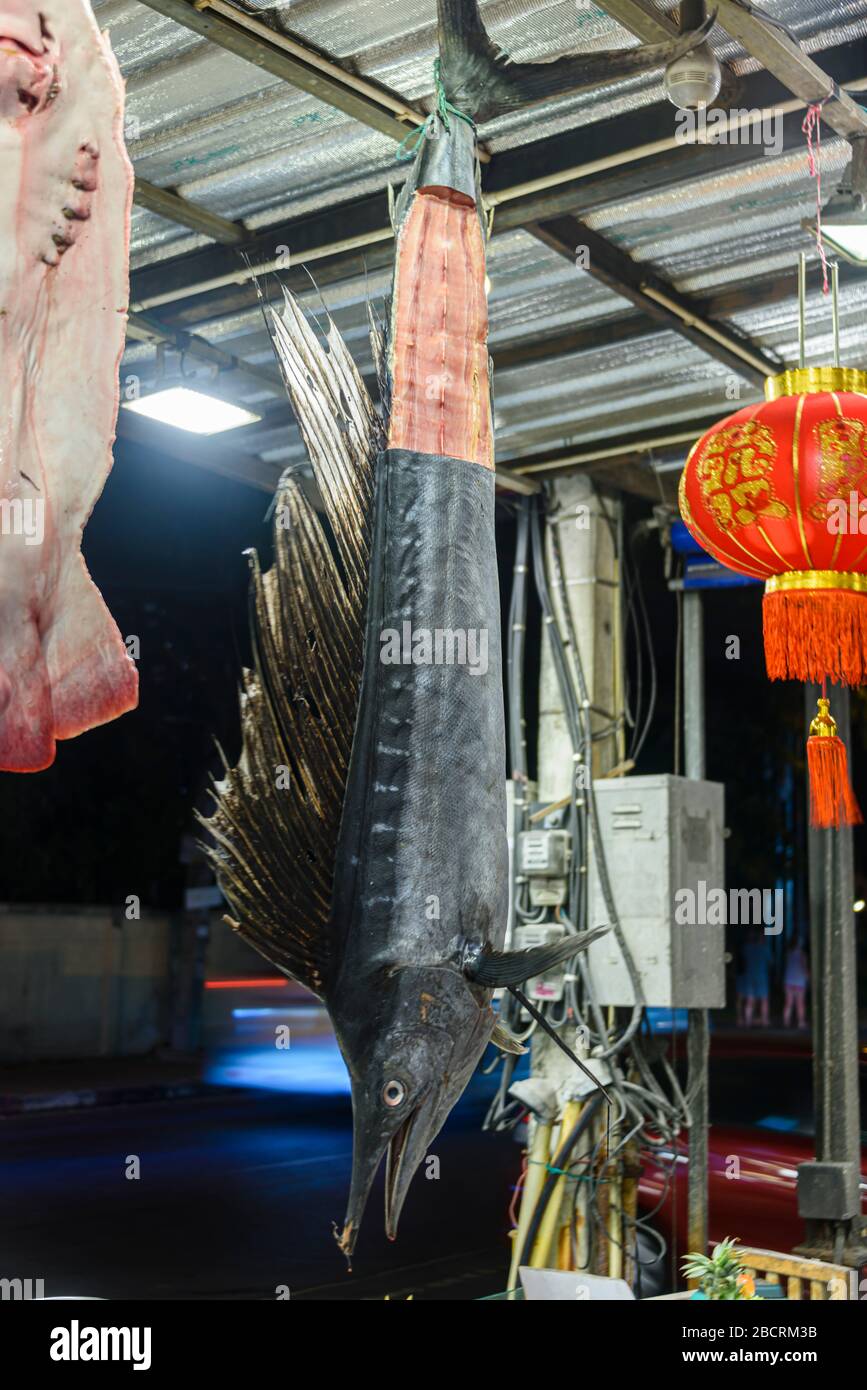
[394, 1093]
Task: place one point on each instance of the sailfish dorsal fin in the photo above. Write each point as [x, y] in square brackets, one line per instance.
[274, 830]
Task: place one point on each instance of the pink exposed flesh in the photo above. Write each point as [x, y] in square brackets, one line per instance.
[441, 399]
[65, 204]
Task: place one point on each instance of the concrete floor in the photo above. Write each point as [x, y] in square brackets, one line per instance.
[235, 1197]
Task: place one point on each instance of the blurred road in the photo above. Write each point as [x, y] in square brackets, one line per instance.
[236, 1196]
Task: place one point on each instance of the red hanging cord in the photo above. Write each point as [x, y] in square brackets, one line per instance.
[812, 125]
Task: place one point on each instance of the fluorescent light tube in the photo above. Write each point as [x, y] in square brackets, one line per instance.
[193, 411]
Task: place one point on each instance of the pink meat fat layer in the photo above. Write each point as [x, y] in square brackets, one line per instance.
[64, 268]
[441, 400]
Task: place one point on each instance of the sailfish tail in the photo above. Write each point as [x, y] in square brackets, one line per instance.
[274, 831]
[482, 81]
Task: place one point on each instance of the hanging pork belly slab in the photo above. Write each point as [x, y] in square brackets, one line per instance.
[64, 288]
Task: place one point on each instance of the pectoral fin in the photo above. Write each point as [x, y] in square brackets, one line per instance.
[496, 969]
[504, 1040]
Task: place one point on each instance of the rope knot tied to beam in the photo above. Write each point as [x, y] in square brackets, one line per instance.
[409, 147]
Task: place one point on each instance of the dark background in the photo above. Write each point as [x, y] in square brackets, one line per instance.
[165, 546]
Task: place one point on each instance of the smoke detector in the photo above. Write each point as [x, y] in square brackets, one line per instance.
[694, 80]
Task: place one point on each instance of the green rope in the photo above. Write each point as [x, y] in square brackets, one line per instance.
[409, 147]
[561, 1172]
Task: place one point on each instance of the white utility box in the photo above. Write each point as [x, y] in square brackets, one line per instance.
[661, 835]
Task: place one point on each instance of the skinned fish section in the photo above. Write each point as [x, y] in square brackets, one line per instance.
[438, 349]
[64, 258]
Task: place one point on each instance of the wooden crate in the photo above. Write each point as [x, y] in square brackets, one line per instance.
[807, 1279]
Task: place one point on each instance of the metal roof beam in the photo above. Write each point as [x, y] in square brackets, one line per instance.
[654, 296]
[509, 481]
[723, 303]
[247, 37]
[321, 238]
[782, 54]
[254, 46]
[621, 158]
[641, 19]
[622, 461]
[167, 203]
[511, 212]
[730, 299]
[142, 328]
[589, 338]
[612, 450]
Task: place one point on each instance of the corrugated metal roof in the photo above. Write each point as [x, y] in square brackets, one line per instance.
[244, 144]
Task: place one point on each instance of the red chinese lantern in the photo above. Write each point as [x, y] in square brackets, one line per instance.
[778, 491]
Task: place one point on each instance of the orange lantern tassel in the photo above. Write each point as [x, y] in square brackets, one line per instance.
[832, 800]
[813, 633]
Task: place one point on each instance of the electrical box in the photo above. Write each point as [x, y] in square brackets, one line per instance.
[828, 1191]
[544, 853]
[663, 840]
[543, 860]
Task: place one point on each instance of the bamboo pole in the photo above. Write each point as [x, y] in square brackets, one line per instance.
[545, 1240]
[537, 1171]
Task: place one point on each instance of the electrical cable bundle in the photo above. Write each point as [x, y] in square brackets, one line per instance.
[651, 1107]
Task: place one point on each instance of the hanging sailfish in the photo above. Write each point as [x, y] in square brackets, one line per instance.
[376, 871]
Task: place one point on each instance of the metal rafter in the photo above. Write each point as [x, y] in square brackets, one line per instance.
[613, 450]
[641, 19]
[655, 296]
[142, 328]
[621, 157]
[689, 315]
[169, 204]
[266, 54]
[782, 54]
[733, 298]
[724, 303]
